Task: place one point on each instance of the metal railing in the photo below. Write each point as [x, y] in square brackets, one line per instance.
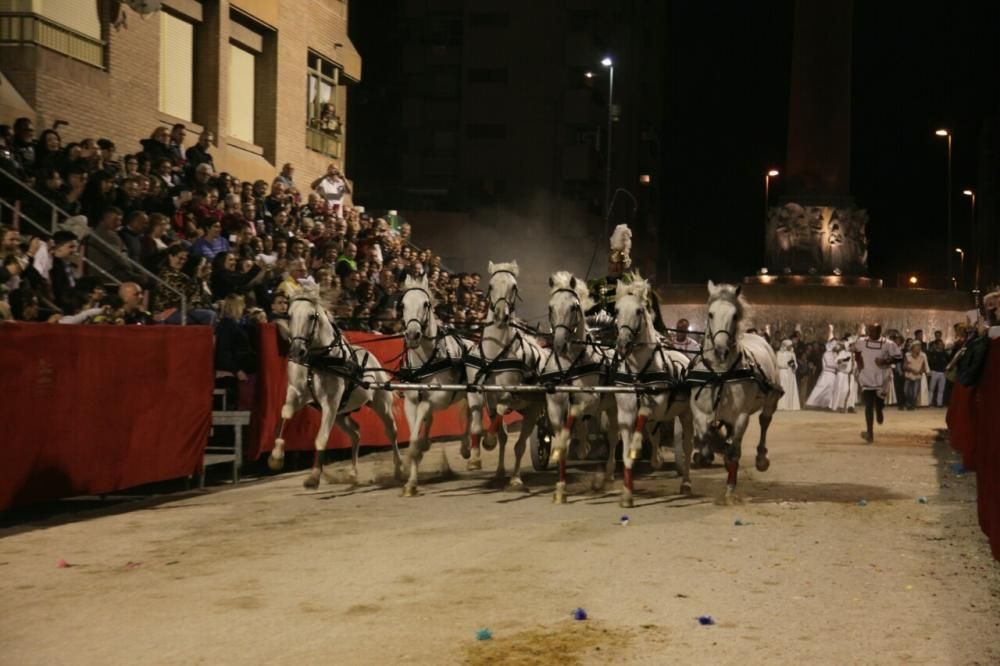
[29, 28]
[124, 259]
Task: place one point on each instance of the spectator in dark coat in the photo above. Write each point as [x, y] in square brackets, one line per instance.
[234, 356]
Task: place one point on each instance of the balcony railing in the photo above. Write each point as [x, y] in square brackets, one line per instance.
[323, 142]
[21, 28]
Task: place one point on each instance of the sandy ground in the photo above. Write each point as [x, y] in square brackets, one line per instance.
[271, 574]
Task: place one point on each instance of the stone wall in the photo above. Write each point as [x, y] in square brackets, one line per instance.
[784, 307]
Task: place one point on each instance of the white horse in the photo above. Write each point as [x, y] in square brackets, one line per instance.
[574, 360]
[326, 369]
[504, 356]
[431, 356]
[644, 360]
[736, 376]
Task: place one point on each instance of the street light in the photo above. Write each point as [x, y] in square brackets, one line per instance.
[946, 133]
[961, 269]
[913, 280]
[767, 189]
[607, 62]
[975, 234]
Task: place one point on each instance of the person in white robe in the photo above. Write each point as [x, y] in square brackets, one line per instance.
[787, 363]
[822, 394]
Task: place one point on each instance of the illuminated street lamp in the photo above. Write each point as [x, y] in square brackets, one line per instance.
[975, 235]
[913, 280]
[767, 189]
[609, 63]
[946, 133]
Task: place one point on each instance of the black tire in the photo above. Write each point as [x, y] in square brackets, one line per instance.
[540, 445]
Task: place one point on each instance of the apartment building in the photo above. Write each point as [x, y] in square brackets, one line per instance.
[269, 77]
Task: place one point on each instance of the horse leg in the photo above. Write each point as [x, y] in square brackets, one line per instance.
[496, 410]
[475, 432]
[611, 435]
[765, 421]
[416, 416]
[473, 401]
[560, 448]
[293, 402]
[733, 453]
[381, 404]
[501, 473]
[353, 432]
[683, 446]
[529, 416]
[704, 456]
[322, 438]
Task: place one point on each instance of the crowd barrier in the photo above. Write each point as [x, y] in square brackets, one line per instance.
[91, 410]
[974, 430]
[300, 432]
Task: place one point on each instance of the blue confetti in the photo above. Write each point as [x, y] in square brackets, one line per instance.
[958, 468]
[484, 635]
[579, 614]
[624, 520]
[922, 500]
[862, 502]
[705, 620]
[739, 522]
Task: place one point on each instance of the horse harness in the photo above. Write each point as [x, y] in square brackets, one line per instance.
[744, 368]
[503, 362]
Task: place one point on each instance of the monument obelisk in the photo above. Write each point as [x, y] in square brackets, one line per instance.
[816, 230]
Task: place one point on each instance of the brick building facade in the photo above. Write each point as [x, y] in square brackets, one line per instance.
[269, 77]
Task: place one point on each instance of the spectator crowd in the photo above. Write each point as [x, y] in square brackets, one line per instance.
[165, 211]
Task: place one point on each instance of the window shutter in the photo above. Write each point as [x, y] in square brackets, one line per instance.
[241, 93]
[176, 66]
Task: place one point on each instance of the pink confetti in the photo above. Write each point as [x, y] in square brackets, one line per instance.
[63, 564]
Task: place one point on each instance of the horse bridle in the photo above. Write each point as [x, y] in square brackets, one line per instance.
[422, 323]
[634, 331]
[313, 323]
[577, 311]
[511, 302]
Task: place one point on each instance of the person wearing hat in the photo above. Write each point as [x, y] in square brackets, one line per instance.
[602, 290]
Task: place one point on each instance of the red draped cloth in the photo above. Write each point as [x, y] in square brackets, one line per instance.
[974, 430]
[300, 432]
[95, 409]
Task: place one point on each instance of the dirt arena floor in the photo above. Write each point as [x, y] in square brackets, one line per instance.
[803, 571]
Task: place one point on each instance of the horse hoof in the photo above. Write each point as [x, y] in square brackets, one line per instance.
[516, 484]
[559, 498]
[465, 451]
[311, 483]
[489, 441]
[763, 463]
[626, 502]
[275, 464]
[685, 488]
[410, 491]
[474, 465]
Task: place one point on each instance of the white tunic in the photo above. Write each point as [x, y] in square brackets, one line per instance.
[786, 375]
[873, 376]
[845, 377]
[822, 394]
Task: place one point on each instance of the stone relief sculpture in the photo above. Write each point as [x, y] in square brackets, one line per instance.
[817, 240]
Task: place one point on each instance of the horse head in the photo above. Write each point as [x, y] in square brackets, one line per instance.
[502, 292]
[308, 324]
[418, 311]
[568, 301]
[726, 309]
[633, 319]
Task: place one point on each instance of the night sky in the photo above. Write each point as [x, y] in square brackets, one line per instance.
[726, 118]
[914, 71]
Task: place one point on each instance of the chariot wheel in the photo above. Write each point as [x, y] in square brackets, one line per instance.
[540, 443]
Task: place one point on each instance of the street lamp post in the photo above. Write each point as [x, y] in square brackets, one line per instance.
[609, 63]
[946, 133]
[767, 191]
[975, 235]
[961, 265]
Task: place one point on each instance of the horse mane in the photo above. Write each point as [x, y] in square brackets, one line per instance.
[510, 266]
[636, 286]
[566, 280]
[730, 293]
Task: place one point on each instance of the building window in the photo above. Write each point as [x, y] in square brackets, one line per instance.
[176, 66]
[487, 75]
[324, 125]
[486, 131]
[242, 100]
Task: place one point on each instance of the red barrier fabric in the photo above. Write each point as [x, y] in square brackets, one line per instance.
[974, 429]
[95, 409]
[300, 432]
